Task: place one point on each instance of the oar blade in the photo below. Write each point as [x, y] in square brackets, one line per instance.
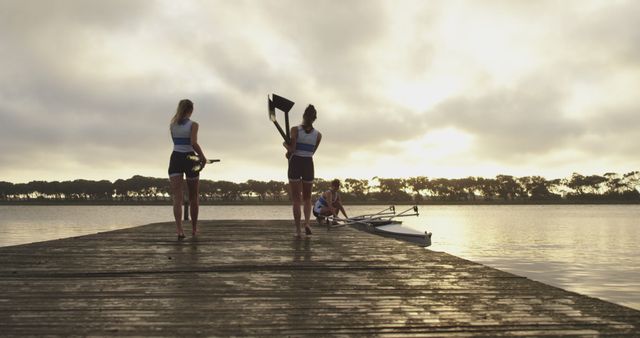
[278, 102]
[282, 103]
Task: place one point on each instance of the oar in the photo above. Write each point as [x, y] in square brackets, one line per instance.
[366, 218]
[402, 214]
[379, 213]
[197, 166]
[415, 212]
[283, 104]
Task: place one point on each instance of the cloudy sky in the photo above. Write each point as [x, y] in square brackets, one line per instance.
[402, 88]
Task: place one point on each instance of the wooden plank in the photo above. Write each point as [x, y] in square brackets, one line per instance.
[254, 278]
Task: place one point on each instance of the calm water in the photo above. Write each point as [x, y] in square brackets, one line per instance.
[589, 249]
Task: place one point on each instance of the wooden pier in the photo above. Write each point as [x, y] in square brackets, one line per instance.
[253, 278]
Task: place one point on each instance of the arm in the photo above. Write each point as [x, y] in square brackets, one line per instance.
[291, 147]
[340, 207]
[196, 146]
[343, 212]
[318, 143]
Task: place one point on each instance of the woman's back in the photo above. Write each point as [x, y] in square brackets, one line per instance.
[181, 135]
[306, 142]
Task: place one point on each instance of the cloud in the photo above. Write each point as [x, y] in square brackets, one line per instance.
[607, 32]
[509, 122]
[526, 84]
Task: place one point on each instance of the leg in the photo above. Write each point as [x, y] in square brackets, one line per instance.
[306, 196]
[194, 203]
[319, 212]
[176, 191]
[325, 211]
[295, 189]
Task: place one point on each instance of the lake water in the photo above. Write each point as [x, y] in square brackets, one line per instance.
[589, 249]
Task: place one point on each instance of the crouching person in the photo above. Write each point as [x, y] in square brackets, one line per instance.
[329, 203]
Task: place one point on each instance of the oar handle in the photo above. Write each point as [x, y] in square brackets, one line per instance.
[195, 158]
[285, 136]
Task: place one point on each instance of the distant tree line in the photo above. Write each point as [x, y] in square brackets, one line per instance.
[608, 188]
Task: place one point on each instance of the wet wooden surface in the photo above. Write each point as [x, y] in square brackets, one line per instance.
[254, 278]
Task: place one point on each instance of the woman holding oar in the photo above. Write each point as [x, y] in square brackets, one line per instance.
[184, 133]
[304, 142]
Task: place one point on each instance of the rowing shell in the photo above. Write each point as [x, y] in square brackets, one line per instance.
[376, 222]
[397, 231]
[382, 223]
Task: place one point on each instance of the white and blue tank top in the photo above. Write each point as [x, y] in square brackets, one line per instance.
[322, 202]
[181, 135]
[306, 143]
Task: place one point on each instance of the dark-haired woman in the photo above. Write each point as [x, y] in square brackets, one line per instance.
[304, 142]
[184, 133]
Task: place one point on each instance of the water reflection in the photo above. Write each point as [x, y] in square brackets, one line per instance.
[301, 249]
[186, 252]
[588, 249]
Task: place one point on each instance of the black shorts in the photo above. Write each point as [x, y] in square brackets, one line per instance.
[301, 168]
[179, 164]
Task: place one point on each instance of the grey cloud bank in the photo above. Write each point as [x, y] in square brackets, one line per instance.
[87, 87]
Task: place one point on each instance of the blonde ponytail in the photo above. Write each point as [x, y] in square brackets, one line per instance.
[185, 107]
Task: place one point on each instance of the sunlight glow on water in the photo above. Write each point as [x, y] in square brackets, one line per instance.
[589, 249]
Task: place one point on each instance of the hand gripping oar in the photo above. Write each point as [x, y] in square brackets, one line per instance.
[280, 103]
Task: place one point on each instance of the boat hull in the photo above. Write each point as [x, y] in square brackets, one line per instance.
[372, 221]
[396, 231]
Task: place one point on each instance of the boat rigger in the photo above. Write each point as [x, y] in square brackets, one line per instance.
[384, 223]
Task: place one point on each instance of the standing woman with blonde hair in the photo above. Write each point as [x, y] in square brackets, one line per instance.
[304, 142]
[184, 133]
